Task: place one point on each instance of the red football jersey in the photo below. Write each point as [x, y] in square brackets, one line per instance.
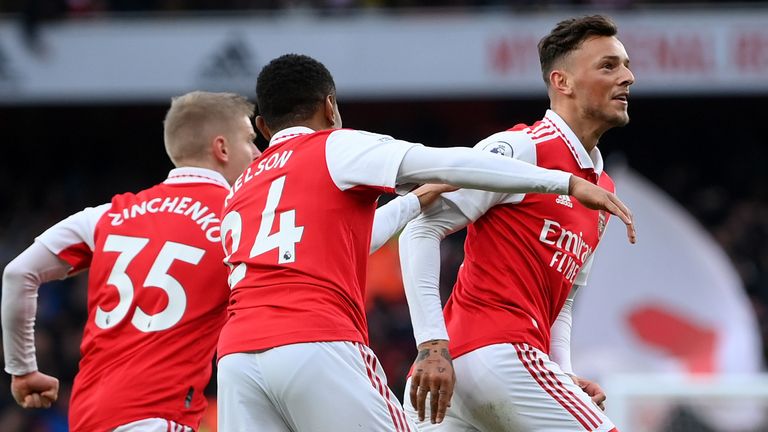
[157, 293]
[523, 252]
[297, 230]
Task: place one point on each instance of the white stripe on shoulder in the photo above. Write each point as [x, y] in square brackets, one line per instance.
[539, 128]
[547, 131]
[543, 138]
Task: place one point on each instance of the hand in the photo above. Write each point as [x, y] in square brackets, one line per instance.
[433, 374]
[428, 193]
[592, 389]
[596, 198]
[35, 390]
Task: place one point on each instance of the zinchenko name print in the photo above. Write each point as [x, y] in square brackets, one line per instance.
[198, 212]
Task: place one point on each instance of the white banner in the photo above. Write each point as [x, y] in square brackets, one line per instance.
[670, 303]
[376, 56]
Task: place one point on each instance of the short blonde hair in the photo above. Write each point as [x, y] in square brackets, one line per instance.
[197, 117]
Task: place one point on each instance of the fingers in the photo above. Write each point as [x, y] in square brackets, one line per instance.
[418, 394]
[614, 205]
[414, 387]
[628, 219]
[439, 400]
[429, 193]
[595, 392]
[599, 400]
[599, 397]
[597, 198]
[51, 395]
[443, 396]
[434, 401]
[34, 400]
[631, 234]
[421, 402]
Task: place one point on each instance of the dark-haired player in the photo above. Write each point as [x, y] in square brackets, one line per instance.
[509, 315]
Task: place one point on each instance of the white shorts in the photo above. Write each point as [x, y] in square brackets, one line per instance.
[153, 425]
[307, 387]
[513, 387]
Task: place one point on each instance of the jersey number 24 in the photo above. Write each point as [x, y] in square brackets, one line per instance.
[284, 240]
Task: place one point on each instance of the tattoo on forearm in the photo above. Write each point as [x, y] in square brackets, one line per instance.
[423, 354]
[446, 355]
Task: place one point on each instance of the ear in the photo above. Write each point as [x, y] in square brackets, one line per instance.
[220, 148]
[330, 112]
[261, 125]
[560, 82]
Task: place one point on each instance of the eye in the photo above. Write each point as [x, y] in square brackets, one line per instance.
[608, 66]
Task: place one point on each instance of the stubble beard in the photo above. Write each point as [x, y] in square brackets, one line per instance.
[609, 119]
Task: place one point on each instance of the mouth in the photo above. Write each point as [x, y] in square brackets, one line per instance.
[621, 97]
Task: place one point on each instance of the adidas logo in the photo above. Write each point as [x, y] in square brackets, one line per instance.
[564, 200]
[233, 60]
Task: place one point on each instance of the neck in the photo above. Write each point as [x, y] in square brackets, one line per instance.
[317, 122]
[196, 164]
[586, 130]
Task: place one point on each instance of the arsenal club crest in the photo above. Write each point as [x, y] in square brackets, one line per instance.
[601, 218]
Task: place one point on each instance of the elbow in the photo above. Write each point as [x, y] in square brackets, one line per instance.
[13, 274]
[420, 229]
[16, 275]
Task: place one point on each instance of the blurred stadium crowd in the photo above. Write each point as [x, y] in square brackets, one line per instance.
[64, 7]
[733, 208]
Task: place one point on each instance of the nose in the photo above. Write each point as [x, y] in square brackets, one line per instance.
[629, 77]
[255, 151]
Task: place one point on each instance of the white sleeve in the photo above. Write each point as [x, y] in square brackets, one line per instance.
[472, 169]
[21, 279]
[363, 158]
[583, 276]
[76, 229]
[560, 342]
[420, 264]
[392, 217]
[512, 144]
[64, 247]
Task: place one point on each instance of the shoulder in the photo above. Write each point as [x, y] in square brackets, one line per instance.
[347, 135]
[127, 198]
[510, 143]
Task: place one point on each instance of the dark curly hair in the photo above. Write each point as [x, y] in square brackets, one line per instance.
[291, 88]
[568, 36]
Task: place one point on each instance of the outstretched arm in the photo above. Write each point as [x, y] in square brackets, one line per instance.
[467, 168]
[420, 262]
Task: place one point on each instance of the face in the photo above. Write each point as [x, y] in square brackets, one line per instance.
[601, 77]
[242, 150]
